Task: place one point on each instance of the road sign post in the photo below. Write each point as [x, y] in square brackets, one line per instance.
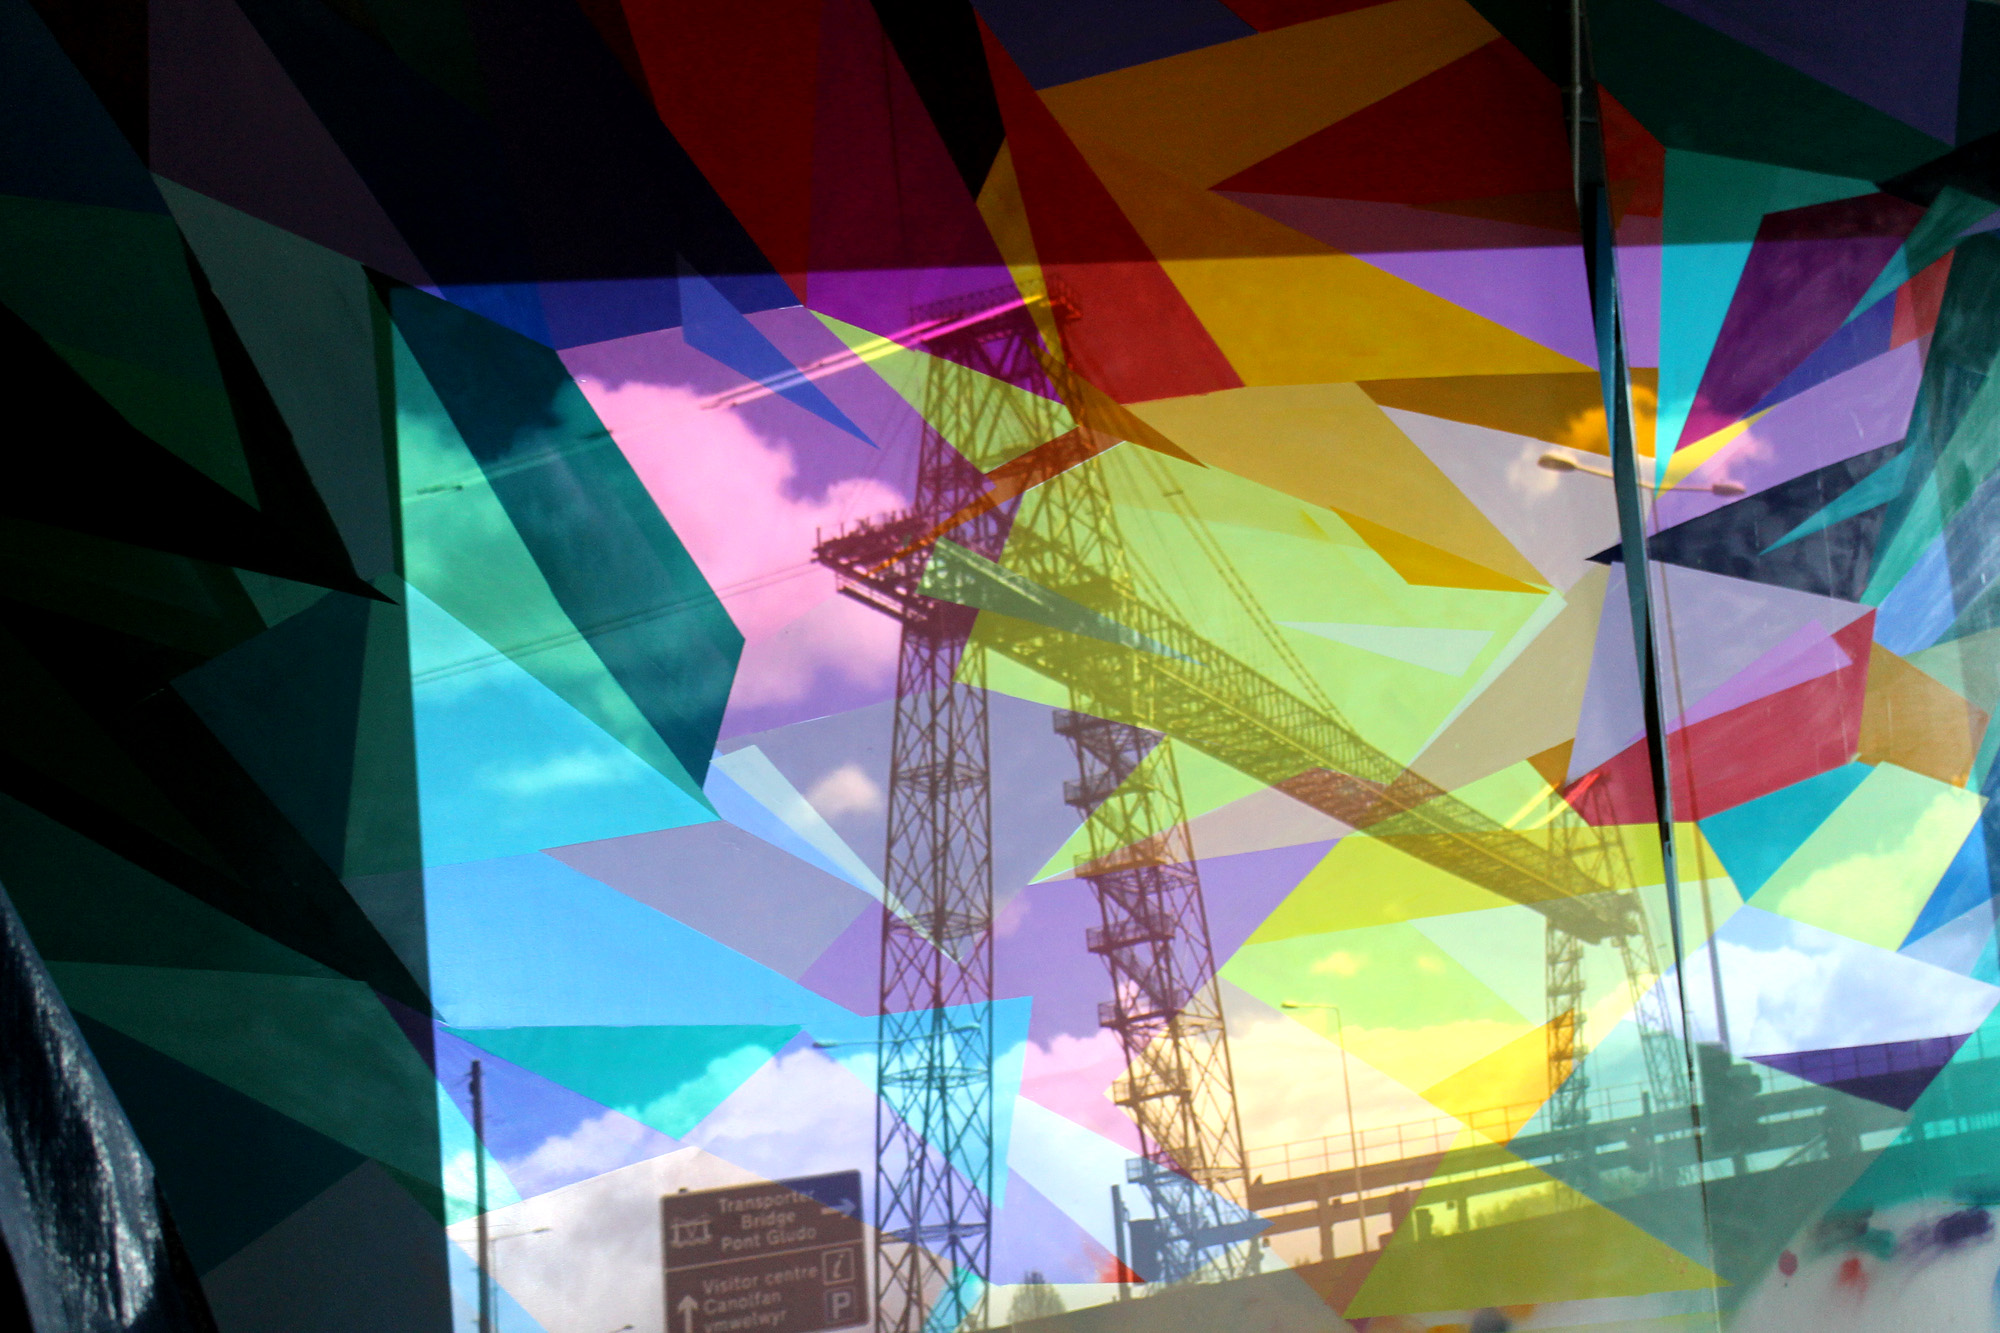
[784, 1257]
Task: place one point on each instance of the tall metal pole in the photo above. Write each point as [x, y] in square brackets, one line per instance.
[1593, 201]
[479, 1203]
[1118, 1241]
[1347, 1095]
[1353, 1133]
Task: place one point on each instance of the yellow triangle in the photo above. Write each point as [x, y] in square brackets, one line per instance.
[1512, 1081]
[1541, 1241]
[987, 434]
[1366, 882]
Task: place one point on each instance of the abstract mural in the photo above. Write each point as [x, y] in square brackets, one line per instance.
[951, 664]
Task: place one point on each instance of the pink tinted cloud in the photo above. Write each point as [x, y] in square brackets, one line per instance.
[1072, 1076]
[728, 493]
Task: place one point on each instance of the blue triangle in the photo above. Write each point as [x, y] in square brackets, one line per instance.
[1965, 885]
[715, 328]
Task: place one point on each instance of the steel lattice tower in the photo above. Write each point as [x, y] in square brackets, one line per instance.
[934, 1153]
[1185, 685]
[1165, 1006]
[934, 1120]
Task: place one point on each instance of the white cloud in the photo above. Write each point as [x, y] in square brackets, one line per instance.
[586, 1258]
[799, 1115]
[1339, 963]
[845, 791]
[603, 1143]
[1788, 986]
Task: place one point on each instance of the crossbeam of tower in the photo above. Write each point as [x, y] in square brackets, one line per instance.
[1194, 690]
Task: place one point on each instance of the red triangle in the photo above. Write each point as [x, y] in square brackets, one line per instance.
[735, 85]
[1918, 302]
[1723, 761]
[1634, 159]
[1487, 124]
[1114, 1270]
[1133, 335]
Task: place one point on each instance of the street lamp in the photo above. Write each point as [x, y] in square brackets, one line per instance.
[1555, 462]
[495, 1240]
[1347, 1094]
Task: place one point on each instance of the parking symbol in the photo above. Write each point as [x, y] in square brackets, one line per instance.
[840, 1307]
[836, 1266]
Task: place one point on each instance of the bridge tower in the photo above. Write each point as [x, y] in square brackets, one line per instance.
[934, 1131]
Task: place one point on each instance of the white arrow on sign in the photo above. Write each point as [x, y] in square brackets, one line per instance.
[687, 1308]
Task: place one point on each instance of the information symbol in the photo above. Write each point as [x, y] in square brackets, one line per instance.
[836, 1266]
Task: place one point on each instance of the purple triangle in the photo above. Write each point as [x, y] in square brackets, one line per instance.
[1892, 1073]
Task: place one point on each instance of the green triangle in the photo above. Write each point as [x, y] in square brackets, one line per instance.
[324, 1052]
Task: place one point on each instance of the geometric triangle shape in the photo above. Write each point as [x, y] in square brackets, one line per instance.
[1806, 269]
[361, 1254]
[1568, 1248]
[231, 1166]
[1869, 867]
[1363, 882]
[1965, 885]
[1748, 538]
[1420, 146]
[1555, 524]
[505, 765]
[324, 1052]
[1879, 487]
[666, 1077]
[1448, 651]
[748, 790]
[716, 328]
[746, 892]
[463, 550]
[1757, 837]
[1420, 563]
[285, 703]
[1893, 1074]
[513, 442]
[1162, 349]
[1911, 720]
[543, 1135]
[1514, 1076]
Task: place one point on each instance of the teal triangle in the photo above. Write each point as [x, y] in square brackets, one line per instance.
[1879, 487]
[916, 1102]
[505, 765]
[1755, 838]
[1937, 1155]
[666, 1077]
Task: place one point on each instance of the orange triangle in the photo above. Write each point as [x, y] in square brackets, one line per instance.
[1426, 565]
[1553, 763]
[1914, 722]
